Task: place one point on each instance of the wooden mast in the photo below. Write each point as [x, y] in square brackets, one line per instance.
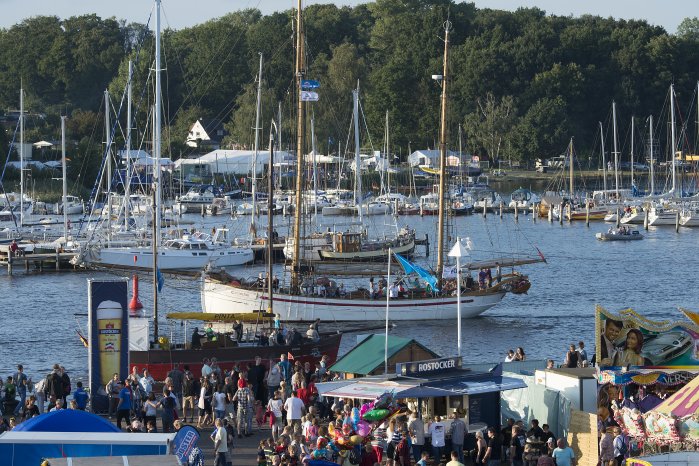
[443, 155]
[300, 129]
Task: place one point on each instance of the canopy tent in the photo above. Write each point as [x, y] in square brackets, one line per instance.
[27, 448]
[66, 420]
[231, 161]
[684, 402]
[454, 383]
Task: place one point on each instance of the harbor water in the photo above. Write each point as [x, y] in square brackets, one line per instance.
[42, 311]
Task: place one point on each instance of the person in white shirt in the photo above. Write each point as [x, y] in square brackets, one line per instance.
[146, 382]
[393, 291]
[275, 406]
[220, 443]
[437, 432]
[294, 409]
[206, 370]
[510, 356]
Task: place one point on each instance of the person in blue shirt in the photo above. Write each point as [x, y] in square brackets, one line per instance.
[285, 368]
[80, 396]
[124, 406]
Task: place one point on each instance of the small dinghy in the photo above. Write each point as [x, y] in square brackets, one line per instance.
[623, 233]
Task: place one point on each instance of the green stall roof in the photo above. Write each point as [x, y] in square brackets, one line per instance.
[369, 354]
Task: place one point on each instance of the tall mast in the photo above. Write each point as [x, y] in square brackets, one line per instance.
[672, 131]
[604, 161]
[357, 157]
[388, 161]
[270, 221]
[652, 170]
[21, 156]
[156, 128]
[443, 154]
[127, 181]
[65, 181]
[300, 130]
[570, 170]
[157, 193]
[616, 155]
[315, 165]
[632, 130]
[108, 161]
[253, 232]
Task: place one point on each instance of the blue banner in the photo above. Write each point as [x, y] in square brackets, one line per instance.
[184, 442]
[409, 268]
[109, 337]
[309, 84]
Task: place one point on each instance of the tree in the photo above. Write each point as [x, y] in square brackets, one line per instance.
[689, 29]
[488, 128]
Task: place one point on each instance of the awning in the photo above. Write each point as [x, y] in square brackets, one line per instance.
[406, 388]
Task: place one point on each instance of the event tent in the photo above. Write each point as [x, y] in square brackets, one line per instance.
[67, 420]
[684, 402]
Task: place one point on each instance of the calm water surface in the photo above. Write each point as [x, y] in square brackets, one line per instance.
[655, 276]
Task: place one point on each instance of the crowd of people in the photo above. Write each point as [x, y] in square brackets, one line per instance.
[279, 402]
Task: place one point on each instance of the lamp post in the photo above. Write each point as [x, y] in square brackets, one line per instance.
[458, 251]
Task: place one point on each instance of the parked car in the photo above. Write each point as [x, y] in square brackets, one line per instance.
[664, 347]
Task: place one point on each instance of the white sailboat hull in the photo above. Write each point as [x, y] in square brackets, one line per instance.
[219, 298]
[171, 259]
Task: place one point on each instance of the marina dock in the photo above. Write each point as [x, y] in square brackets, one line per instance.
[41, 262]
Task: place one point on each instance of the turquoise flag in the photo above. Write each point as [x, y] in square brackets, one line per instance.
[409, 268]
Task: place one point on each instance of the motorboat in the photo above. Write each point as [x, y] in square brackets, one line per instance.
[619, 234]
[523, 199]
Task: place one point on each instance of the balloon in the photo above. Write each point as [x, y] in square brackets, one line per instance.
[363, 428]
[356, 417]
[319, 453]
[365, 407]
[322, 442]
[331, 430]
[356, 439]
[346, 429]
[376, 415]
[384, 400]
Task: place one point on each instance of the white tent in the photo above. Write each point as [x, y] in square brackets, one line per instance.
[231, 161]
[430, 158]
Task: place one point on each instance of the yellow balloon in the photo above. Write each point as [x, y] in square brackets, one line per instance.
[356, 439]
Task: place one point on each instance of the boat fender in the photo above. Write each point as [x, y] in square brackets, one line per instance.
[234, 283]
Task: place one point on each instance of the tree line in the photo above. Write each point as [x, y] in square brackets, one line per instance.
[522, 82]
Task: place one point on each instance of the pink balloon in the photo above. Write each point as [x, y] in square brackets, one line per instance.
[363, 428]
[365, 407]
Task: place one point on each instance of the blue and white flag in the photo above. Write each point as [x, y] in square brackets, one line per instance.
[308, 96]
[409, 268]
[309, 84]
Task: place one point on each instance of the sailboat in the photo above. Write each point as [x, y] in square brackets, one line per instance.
[187, 253]
[160, 359]
[308, 297]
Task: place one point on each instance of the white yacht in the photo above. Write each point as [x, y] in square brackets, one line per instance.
[193, 252]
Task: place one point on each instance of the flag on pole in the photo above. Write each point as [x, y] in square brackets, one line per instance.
[308, 96]
[409, 268]
[289, 356]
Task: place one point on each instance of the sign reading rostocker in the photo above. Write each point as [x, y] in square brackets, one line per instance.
[429, 366]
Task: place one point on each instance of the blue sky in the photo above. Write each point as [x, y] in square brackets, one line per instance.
[183, 13]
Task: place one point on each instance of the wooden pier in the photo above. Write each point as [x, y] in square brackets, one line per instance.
[42, 261]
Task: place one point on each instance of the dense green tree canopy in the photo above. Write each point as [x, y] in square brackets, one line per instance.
[522, 83]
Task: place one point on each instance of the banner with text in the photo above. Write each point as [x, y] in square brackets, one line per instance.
[108, 352]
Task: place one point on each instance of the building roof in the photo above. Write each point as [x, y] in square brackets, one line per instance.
[369, 354]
